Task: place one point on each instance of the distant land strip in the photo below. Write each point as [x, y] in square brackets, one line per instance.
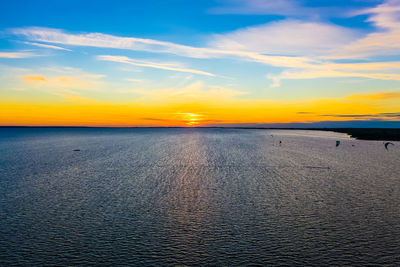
[385, 134]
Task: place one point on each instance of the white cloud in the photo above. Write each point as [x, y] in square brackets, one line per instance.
[384, 41]
[150, 45]
[47, 46]
[148, 64]
[306, 49]
[261, 7]
[108, 41]
[286, 37]
[328, 73]
[16, 54]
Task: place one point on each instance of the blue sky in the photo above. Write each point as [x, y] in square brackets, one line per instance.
[165, 18]
[123, 52]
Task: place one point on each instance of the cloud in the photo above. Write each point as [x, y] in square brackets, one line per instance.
[375, 97]
[33, 78]
[327, 73]
[148, 64]
[150, 45]
[77, 99]
[69, 71]
[16, 55]
[370, 70]
[187, 105]
[260, 7]
[276, 80]
[351, 115]
[60, 84]
[188, 119]
[193, 93]
[393, 114]
[380, 116]
[304, 48]
[196, 104]
[305, 112]
[369, 66]
[154, 119]
[286, 37]
[133, 80]
[57, 36]
[94, 76]
[199, 104]
[385, 41]
[47, 46]
[305, 65]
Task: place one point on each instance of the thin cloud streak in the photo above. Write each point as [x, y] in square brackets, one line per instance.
[33, 78]
[57, 85]
[133, 80]
[147, 64]
[16, 55]
[47, 46]
[375, 97]
[139, 44]
[328, 73]
[57, 36]
[260, 7]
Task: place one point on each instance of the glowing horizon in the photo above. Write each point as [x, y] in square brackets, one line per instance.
[225, 62]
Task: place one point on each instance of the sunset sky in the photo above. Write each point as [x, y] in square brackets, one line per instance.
[198, 63]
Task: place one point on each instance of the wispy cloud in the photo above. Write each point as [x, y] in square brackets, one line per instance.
[94, 76]
[57, 36]
[16, 54]
[195, 92]
[260, 7]
[33, 78]
[148, 64]
[384, 41]
[59, 84]
[286, 37]
[322, 72]
[47, 46]
[133, 80]
[139, 44]
[291, 37]
[375, 97]
[381, 116]
[306, 49]
[69, 71]
[236, 45]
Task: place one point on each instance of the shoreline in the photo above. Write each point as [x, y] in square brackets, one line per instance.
[371, 134]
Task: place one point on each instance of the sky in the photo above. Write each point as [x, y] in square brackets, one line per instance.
[199, 63]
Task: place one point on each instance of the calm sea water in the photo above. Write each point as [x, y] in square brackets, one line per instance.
[197, 196]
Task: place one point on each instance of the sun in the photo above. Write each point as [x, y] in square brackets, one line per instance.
[191, 119]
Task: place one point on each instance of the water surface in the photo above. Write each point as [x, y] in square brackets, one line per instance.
[197, 196]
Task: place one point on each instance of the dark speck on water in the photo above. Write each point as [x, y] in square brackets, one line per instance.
[221, 197]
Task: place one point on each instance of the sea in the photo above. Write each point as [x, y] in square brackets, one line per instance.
[197, 196]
